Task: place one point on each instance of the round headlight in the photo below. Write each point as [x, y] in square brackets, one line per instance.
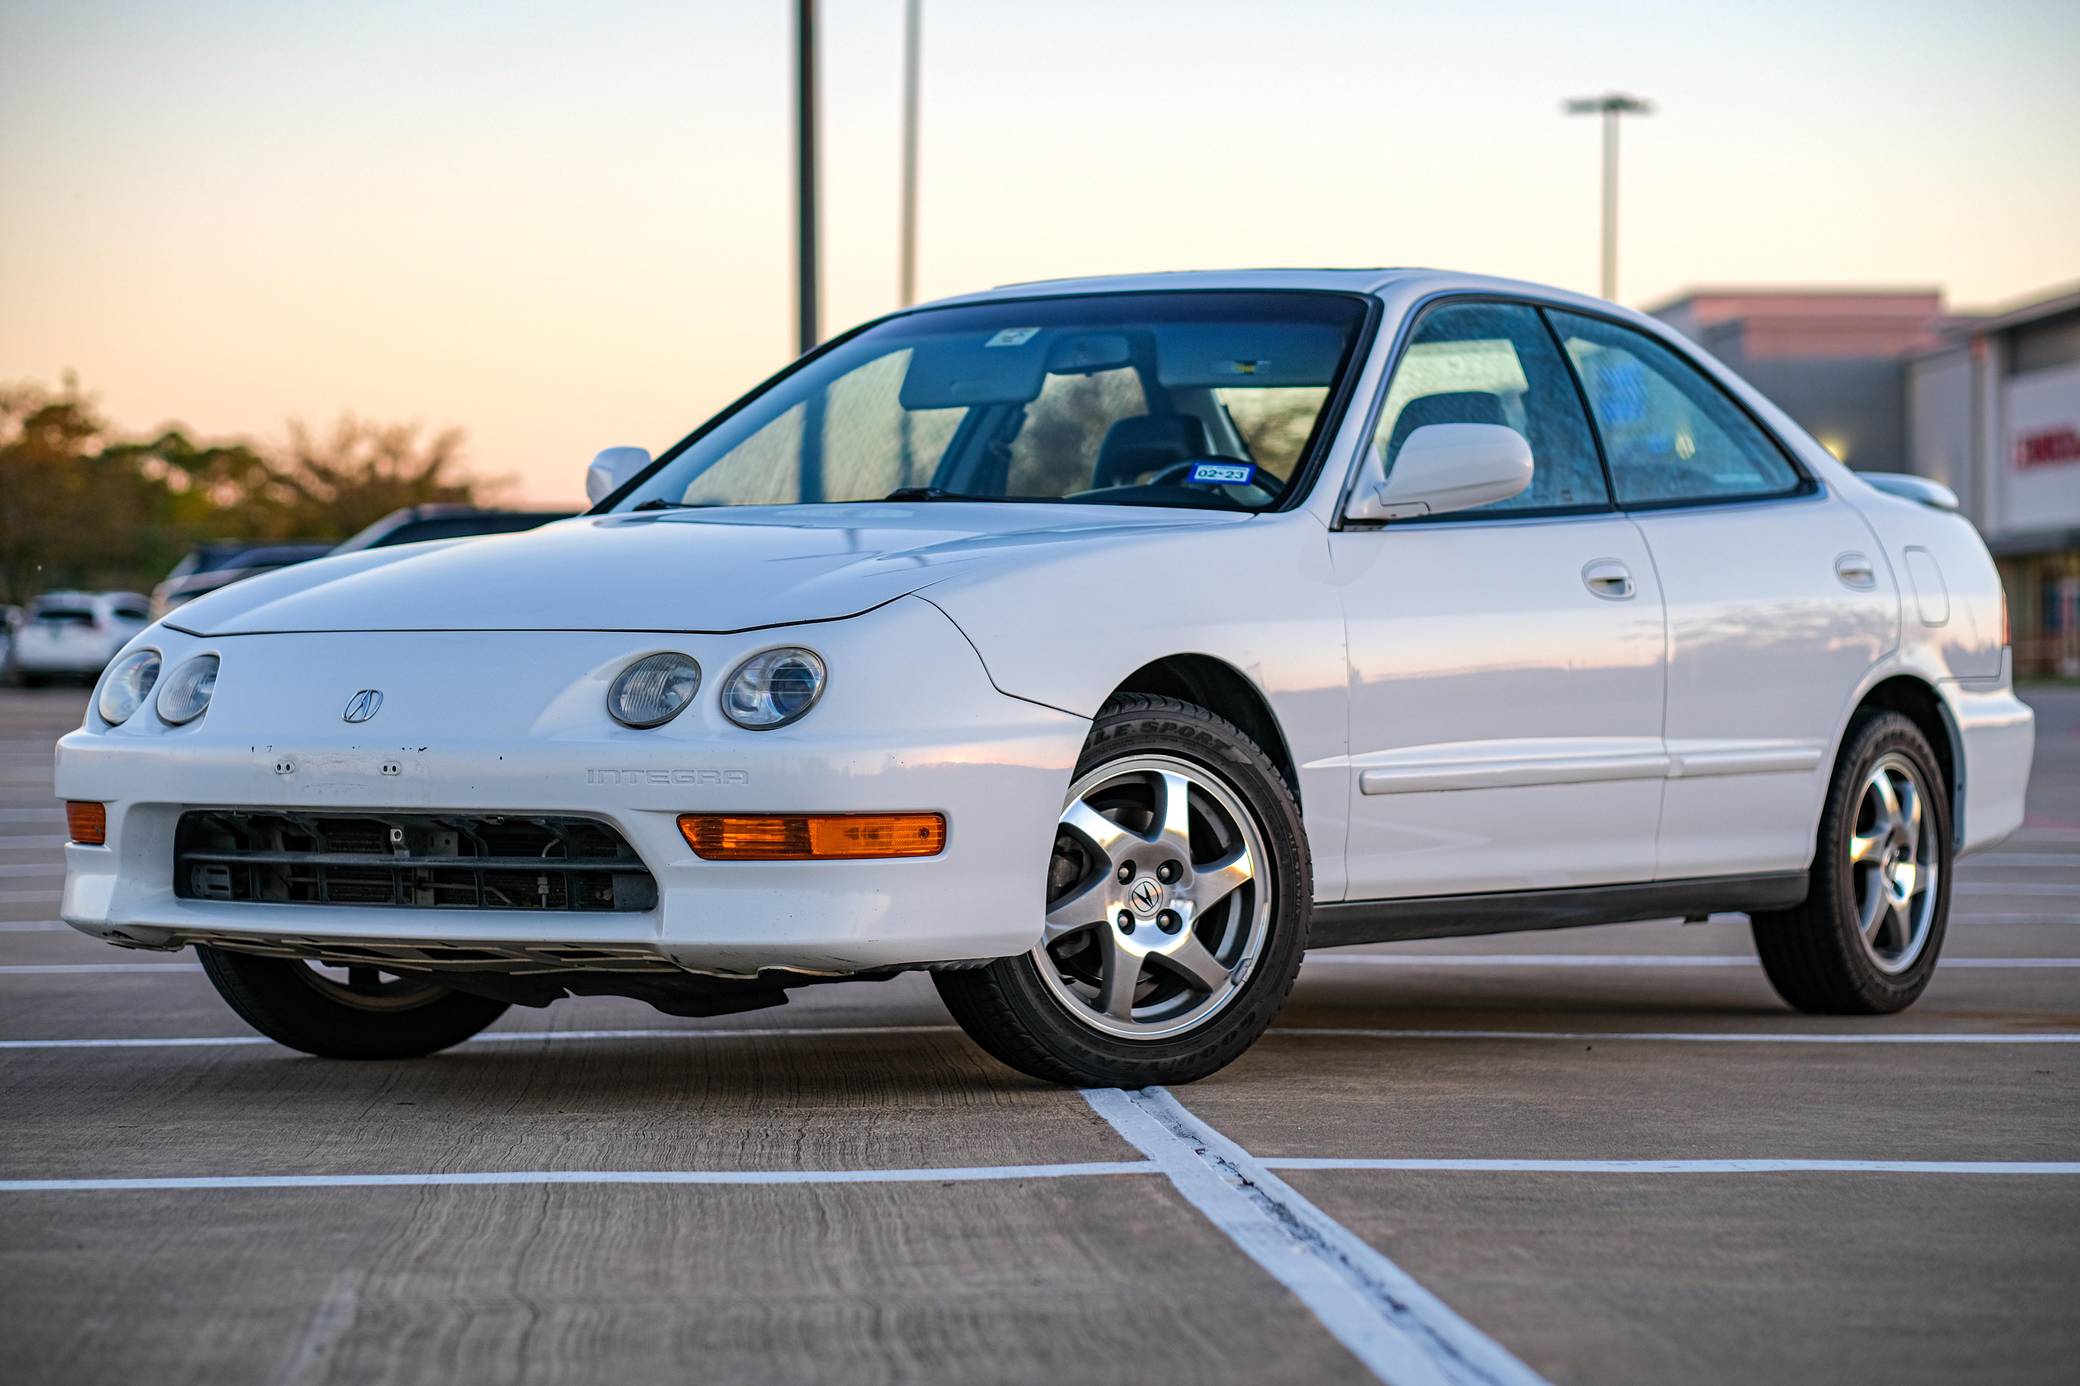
[772, 689]
[185, 694]
[126, 686]
[653, 690]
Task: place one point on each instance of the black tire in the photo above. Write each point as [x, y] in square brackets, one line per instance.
[283, 1000]
[1010, 1009]
[1813, 952]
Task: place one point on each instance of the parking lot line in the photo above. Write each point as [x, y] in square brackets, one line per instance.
[1616, 960]
[1401, 1332]
[1936, 1037]
[1690, 1036]
[49, 969]
[1994, 1167]
[951, 1174]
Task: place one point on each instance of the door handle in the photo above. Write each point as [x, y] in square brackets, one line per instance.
[1855, 570]
[1608, 579]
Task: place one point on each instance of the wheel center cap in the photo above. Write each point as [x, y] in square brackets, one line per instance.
[1146, 896]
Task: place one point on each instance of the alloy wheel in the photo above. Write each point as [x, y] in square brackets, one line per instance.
[1159, 898]
[1894, 859]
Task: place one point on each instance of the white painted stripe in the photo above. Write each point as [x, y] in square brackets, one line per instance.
[34, 869]
[34, 926]
[513, 1036]
[1976, 917]
[1304, 1032]
[22, 897]
[2055, 889]
[1682, 1036]
[954, 1174]
[1688, 1166]
[33, 969]
[13, 842]
[1678, 960]
[1399, 1330]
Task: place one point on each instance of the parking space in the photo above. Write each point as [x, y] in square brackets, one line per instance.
[1583, 1156]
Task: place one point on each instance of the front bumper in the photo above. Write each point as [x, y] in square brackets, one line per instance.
[514, 722]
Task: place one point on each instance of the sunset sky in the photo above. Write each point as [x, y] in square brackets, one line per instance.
[563, 226]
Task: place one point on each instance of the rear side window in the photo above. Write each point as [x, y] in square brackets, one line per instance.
[1495, 363]
[1670, 434]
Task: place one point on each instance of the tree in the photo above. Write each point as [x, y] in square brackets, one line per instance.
[79, 508]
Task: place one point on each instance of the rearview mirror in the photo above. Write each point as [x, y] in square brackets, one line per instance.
[1442, 468]
[611, 470]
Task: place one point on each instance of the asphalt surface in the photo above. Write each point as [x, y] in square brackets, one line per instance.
[1597, 1155]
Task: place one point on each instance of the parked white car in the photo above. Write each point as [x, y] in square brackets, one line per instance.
[1098, 646]
[74, 634]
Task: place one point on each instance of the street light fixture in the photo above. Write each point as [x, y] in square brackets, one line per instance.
[1610, 106]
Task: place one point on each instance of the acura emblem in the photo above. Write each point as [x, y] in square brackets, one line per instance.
[1147, 895]
[363, 705]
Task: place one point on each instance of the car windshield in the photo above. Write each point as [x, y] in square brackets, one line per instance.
[1205, 398]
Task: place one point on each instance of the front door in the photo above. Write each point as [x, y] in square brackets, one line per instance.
[1506, 663]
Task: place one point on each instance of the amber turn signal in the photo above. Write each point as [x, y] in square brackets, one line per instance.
[813, 836]
[88, 823]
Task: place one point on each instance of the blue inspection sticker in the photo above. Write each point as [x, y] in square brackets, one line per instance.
[1225, 473]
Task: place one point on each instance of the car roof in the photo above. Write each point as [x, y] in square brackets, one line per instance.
[1362, 281]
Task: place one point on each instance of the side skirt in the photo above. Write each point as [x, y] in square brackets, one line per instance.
[1514, 911]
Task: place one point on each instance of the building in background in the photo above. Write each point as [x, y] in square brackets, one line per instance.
[1994, 414]
[1890, 381]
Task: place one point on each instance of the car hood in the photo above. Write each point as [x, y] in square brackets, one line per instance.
[684, 570]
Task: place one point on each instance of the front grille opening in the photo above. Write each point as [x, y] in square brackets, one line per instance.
[410, 861]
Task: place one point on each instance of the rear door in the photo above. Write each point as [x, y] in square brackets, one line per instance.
[1778, 602]
[1505, 662]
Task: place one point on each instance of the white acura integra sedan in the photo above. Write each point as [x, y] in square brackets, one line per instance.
[1098, 647]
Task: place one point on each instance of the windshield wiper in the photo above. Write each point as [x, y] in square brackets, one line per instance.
[932, 493]
[660, 503]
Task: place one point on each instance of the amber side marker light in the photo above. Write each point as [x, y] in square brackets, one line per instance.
[87, 823]
[813, 836]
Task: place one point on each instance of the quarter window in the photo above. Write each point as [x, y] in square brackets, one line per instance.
[1495, 363]
[1669, 433]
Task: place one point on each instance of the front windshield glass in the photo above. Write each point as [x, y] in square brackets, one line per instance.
[1205, 398]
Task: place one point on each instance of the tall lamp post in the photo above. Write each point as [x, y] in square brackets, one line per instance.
[1611, 105]
[912, 24]
[808, 327]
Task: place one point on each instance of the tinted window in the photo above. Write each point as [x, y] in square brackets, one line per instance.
[1669, 433]
[1495, 363]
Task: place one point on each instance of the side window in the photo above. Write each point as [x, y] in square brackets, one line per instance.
[1495, 363]
[1669, 433]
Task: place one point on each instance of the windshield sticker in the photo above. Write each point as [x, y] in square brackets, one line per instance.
[1243, 367]
[1225, 473]
[1013, 336]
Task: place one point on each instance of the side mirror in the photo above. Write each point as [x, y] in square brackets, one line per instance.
[611, 470]
[1442, 468]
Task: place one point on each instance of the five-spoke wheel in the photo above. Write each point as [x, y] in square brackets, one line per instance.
[1155, 916]
[1178, 890]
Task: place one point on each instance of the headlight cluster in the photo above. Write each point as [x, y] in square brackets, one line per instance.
[183, 696]
[126, 686]
[770, 689]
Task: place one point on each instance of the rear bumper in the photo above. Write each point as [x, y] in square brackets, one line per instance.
[911, 723]
[1997, 733]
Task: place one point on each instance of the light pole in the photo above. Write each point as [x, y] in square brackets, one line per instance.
[1610, 106]
[913, 21]
[808, 326]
